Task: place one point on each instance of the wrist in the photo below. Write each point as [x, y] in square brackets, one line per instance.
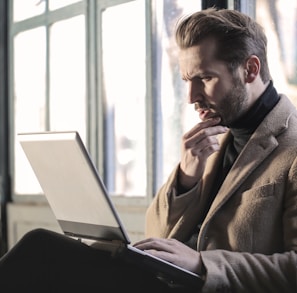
[184, 182]
[201, 270]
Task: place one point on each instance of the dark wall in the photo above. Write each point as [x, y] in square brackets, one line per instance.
[4, 138]
[216, 3]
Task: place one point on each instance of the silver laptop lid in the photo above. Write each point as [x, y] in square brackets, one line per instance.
[72, 186]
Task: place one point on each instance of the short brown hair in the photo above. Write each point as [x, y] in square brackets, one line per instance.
[238, 36]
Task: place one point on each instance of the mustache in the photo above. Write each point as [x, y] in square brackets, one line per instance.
[201, 105]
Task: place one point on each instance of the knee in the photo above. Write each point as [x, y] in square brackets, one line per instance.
[37, 236]
[36, 233]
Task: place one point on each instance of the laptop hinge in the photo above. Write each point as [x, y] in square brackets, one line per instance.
[113, 246]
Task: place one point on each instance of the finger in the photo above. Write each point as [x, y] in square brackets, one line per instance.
[154, 244]
[143, 241]
[168, 256]
[205, 142]
[206, 134]
[206, 150]
[202, 125]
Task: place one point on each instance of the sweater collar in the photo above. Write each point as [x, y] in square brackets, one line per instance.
[250, 121]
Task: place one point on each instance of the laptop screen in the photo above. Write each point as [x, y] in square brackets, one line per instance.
[72, 186]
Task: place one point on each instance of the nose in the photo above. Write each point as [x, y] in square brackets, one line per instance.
[195, 89]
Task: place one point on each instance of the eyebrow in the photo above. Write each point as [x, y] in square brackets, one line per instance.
[198, 75]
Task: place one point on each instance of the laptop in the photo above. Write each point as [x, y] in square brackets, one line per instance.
[82, 206]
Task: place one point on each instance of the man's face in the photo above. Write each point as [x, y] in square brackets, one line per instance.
[211, 87]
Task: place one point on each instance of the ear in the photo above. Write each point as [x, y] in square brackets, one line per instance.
[252, 68]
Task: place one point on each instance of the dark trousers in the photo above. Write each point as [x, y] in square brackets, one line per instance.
[48, 262]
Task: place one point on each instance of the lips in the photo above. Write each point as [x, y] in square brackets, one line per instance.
[204, 113]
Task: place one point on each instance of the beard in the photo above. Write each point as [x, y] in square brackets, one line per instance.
[234, 103]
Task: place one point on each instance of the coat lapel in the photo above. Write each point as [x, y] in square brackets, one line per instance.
[260, 145]
[250, 158]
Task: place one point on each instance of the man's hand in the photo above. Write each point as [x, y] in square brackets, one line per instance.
[172, 251]
[197, 145]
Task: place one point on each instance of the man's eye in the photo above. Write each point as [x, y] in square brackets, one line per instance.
[206, 78]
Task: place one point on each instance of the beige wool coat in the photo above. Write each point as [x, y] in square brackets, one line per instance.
[248, 240]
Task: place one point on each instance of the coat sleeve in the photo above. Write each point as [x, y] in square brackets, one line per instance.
[165, 216]
[244, 272]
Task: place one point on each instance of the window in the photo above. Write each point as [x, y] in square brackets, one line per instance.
[109, 70]
[279, 20]
[124, 83]
[48, 74]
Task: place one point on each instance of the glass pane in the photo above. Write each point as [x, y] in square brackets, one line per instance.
[279, 20]
[29, 99]
[177, 115]
[124, 82]
[68, 75]
[23, 9]
[55, 4]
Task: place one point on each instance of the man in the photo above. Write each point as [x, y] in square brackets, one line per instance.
[229, 210]
[238, 196]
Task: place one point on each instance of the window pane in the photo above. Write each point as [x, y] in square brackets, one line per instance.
[279, 20]
[55, 4]
[23, 9]
[124, 82]
[68, 75]
[29, 100]
[177, 115]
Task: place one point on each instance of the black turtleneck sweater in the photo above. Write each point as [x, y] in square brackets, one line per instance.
[244, 127]
[241, 131]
